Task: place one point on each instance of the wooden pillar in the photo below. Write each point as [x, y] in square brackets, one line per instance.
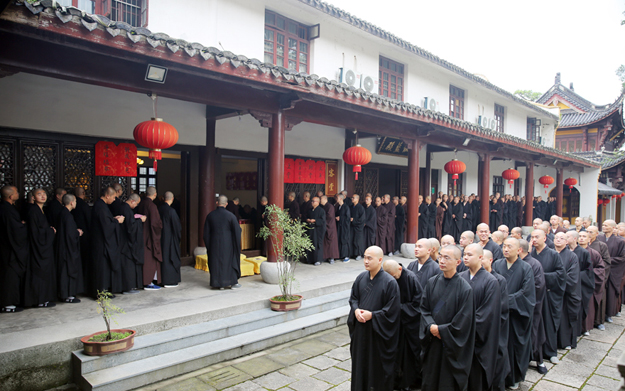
[276, 167]
[529, 194]
[349, 183]
[428, 173]
[413, 191]
[484, 189]
[207, 178]
[559, 191]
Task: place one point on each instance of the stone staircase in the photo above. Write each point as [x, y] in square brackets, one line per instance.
[165, 354]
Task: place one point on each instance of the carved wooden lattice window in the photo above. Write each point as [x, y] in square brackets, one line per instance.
[79, 171]
[371, 182]
[404, 184]
[40, 163]
[7, 163]
[111, 180]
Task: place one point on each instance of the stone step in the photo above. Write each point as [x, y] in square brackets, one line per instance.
[158, 367]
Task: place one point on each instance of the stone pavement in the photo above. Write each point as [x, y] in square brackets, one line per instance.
[322, 362]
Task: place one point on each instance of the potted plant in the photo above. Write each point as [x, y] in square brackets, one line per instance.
[109, 341]
[290, 242]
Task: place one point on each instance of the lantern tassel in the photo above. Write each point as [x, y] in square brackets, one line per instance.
[155, 165]
[356, 176]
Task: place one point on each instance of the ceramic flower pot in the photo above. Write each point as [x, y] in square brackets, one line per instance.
[283, 306]
[93, 348]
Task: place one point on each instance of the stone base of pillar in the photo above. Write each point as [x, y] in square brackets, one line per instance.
[526, 230]
[407, 251]
[199, 251]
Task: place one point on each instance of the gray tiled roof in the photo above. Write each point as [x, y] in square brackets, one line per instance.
[141, 35]
[607, 159]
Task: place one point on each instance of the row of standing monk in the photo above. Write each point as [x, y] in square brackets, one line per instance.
[62, 247]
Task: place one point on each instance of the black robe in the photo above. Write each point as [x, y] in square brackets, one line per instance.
[424, 217]
[487, 302]
[467, 222]
[570, 323]
[475, 210]
[496, 212]
[106, 270]
[503, 363]
[390, 227]
[116, 207]
[602, 249]
[400, 223]
[222, 238]
[330, 239]
[42, 264]
[427, 271]
[371, 226]
[408, 365]
[520, 212]
[448, 303]
[53, 211]
[616, 248]
[170, 244]
[131, 249]
[316, 232]
[538, 328]
[374, 343]
[293, 208]
[587, 283]
[343, 231]
[521, 302]
[448, 221]
[82, 217]
[494, 248]
[458, 221]
[440, 220]
[357, 230]
[234, 209]
[68, 261]
[555, 282]
[598, 268]
[432, 208]
[304, 209]
[382, 223]
[14, 255]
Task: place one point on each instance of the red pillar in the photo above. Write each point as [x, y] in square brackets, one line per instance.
[276, 166]
[529, 194]
[207, 178]
[484, 189]
[413, 192]
[559, 191]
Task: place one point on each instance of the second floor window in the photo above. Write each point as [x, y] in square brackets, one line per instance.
[391, 79]
[286, 43]
[456, 102]
[499, 110]
[533, 129]
[133, 12]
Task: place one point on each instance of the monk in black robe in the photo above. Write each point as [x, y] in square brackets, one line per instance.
[41, 237]
[521, 302]
[69, 264]
[400, 223]
[457, 213]
[569, 322]
[233, 207]
[586, 277]
[487, 302]
[343, 218]
[440, 218]
[598, 268]
[538, 328]
[467, 222]
[55, 206]
[382, 222]
[502, 367]
[475, 207]
[390, 224]
[13, 252]
[496, 211]
[598, 245]
[407, 365]
[116, 205]
[305, 206]
[374, 324]
[330, 239]
[447, 329]
[170, 242]
[424, 217]
[357, 228]
[371, 223]
[448, 221]
[555, 281]
[483, 233]
[105, 245]
[616, 248]
[131, 246]
[82, 217]
[424, 267]
[293, 207]
[152, 252]
[432, 209]
[317, 230]
[222, 238]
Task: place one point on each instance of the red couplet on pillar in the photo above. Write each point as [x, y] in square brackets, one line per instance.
[310, 171]
[320, 173]
[300, 167]
[289, 171]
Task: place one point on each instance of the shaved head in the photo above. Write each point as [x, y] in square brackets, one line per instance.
[475, 247]
[392, 267]
[375, 251]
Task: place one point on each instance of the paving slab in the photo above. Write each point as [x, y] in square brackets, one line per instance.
[274, 381]
[546, 385]
[246, 386]
[340, 354]
[314, 347]
[333, 376]
[321, 362]
[345, 365]
[604, 382]
[193, 384]
[258, 366]
[298, 371]
[347, 386]
[310, 384]
[288, 356]
[608, 371]
[224, 377]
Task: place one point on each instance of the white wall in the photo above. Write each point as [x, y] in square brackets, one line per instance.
[42, 103]
[588, 188]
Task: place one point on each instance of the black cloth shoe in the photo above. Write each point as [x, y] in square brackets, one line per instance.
[542, 369]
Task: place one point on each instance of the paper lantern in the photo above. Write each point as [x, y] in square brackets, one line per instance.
[510, 175]
[156, 135]
[545, 180]
[455, 167]
[357, 156]
[570, 182]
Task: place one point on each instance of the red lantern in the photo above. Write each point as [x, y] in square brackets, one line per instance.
[545, 180]
[606, 201]
[455, 167]
[510, 175]
[156, 135]
[613, 196]
[357, 156]
[570, 182]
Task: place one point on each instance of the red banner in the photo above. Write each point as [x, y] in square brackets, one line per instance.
[127, 158]
[320, 173]
[310, 172]
[289, 170]
[300, 174]
[106, 158]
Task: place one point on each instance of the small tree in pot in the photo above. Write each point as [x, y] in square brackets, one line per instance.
[290, 242]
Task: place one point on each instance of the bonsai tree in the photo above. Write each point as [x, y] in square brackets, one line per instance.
[108, 311]
[290, 242]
